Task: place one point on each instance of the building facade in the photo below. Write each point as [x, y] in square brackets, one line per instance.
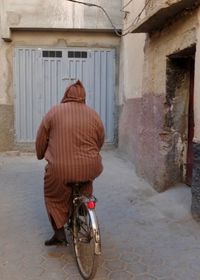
[160, 119]
[46, 46]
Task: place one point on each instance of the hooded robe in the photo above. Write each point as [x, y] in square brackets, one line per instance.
[70, 137]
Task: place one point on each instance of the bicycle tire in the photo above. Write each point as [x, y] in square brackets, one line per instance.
[86, 240]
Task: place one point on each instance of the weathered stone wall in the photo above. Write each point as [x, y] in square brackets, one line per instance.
[6, 127]
[178, 36]
[155, 5]
[6, 85]
[158, 149]
[141, 137]
[6, 98]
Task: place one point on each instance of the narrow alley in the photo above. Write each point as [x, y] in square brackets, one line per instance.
[145, 235]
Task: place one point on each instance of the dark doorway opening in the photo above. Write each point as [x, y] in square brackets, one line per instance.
[180, 116]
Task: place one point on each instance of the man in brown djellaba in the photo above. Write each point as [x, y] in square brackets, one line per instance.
[70, 138]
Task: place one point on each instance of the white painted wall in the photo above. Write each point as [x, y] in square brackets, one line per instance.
[132, 55]
[59, 14]
[51, 15]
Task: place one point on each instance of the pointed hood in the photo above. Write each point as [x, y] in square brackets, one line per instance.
[74, 93]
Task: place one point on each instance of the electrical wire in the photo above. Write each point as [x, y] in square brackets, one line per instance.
[119, 34]
[104, 11]
[126, 5]
[146, 4]
[137, 18]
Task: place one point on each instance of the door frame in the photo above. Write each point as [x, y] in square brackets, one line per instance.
[190, 152]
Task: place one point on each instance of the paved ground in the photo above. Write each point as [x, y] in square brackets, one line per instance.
[146, 235]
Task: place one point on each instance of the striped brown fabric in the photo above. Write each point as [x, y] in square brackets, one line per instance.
[69, 138]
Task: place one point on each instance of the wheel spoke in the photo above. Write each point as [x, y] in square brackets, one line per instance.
[83, 225]
[84, 243]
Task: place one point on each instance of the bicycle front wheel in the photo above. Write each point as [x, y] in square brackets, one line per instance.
[86, 238]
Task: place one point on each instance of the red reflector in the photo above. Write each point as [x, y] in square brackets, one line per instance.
[91, 204]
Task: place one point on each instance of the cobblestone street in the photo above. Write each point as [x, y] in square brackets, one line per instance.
[145, 235]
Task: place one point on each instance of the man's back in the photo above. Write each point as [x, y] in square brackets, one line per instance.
[75, 136]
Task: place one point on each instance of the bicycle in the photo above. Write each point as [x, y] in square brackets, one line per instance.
[84, 228]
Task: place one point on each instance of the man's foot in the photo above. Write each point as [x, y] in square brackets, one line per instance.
[55, 241]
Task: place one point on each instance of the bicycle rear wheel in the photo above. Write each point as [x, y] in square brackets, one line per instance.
[86, 238]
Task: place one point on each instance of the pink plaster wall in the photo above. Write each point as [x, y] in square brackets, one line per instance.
[145, 141]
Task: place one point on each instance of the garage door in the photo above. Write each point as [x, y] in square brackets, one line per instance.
[42, 75]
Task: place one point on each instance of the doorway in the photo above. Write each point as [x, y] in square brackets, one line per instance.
[180, 118]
